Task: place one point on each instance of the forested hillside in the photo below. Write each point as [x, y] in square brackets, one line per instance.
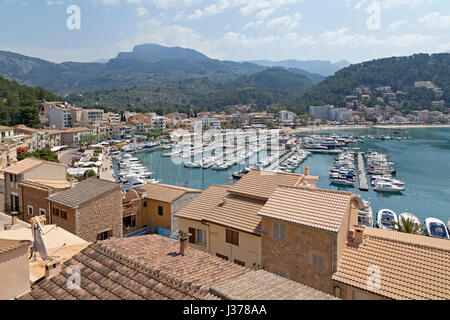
[399, 72]
[20, 104]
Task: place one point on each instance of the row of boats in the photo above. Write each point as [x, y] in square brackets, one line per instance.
[132, 173]
[381, 171]
[343, 172]
[388, 219]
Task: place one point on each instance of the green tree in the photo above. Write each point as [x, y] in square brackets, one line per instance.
[407, 226]
[89, 174]
[42, 154]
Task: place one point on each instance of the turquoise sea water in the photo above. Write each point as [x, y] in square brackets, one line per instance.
[423, 163]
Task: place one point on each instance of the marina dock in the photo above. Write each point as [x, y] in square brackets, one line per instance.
[281, 160]
[363, 185]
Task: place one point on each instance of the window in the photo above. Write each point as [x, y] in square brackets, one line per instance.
[192, 237]
[241, 263]
[279, 273]
[63, 214]
[232, 237]
[318, 262]
[105, 235]
[201, 237]
[129, 222]
[221, 256]
[30, 210]
[160, 210]
[56, 212]
[145, 203]
[279, 231]
[41, 212]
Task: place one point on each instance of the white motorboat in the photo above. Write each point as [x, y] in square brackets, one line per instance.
[387, 180]
[436, 228]
[365, 215]
[381, 186]
[385, 218]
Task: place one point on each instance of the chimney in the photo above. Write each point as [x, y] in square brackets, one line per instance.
[52, 268]
[306, 171]
[72, 183]
[13, 218]
[358, 235]
[7, 226]
[184, 237]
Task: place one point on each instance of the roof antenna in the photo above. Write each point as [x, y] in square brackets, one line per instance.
[38, 242]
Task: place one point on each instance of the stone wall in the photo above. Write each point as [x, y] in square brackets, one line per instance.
[99, 215]
[295, 255]
[34, 197]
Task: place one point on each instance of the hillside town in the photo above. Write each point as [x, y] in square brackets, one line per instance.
[272, 235]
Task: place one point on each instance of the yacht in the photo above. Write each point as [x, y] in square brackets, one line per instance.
[436, 228]
[386, 179]
[381, 186]
[385, 218]
[365, 216]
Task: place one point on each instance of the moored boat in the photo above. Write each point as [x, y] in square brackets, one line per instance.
[436, 228]
[385, 217]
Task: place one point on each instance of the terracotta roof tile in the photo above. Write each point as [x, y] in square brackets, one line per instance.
[7, 245]
[317, 208]
[204, 204]
[262, 285]
[411, 266]
[146, 267]
[262, 184]
[22, 166]
[164, 192]
[83, 192]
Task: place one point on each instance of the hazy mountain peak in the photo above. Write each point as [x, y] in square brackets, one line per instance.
[153, 53]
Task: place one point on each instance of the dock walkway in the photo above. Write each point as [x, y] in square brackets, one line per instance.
[363, 186]
[281, 160]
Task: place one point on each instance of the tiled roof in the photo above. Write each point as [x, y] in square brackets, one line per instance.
[217, 206]
[164, 192]
[262, 285]
[204, 203]
[149, 267]
[7, 245]
[83, 192]
[146, 267]
[411, 266]
[22, 166]
[240, 214]
[262, 184]
[317, 208]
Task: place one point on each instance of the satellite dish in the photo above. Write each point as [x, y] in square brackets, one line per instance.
[39, 244]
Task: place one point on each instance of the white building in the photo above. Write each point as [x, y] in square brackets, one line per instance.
[60, 117]
[286, 117]
[159, 123]
[92, 115]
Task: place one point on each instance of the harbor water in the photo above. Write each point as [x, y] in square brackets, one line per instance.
[422, 163]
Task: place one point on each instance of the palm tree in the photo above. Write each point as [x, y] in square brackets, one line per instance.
[407, 226]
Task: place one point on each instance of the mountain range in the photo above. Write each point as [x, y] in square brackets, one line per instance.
[146, 64]
[324, 68]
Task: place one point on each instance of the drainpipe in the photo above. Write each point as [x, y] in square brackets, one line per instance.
[332, 263]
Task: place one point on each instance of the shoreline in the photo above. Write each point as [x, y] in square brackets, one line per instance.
[380, 126]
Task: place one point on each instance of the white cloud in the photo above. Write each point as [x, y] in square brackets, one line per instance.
[435, 20]
[287, 23]
[395, 25]
[387, 4]
[264, 13]
[141, 11]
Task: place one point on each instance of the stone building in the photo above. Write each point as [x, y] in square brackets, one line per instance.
[304, 232]
[132, 212]
[91, 210]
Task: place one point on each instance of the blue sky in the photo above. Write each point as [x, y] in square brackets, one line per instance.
[355, 30]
